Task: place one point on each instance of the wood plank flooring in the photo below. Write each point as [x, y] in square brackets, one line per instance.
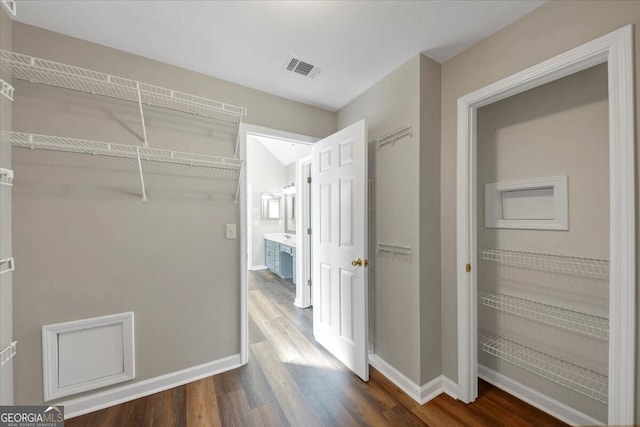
[292, 381]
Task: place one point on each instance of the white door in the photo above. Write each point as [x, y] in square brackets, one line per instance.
[339, 246]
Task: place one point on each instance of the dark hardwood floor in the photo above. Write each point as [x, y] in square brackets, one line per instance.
[292, 381]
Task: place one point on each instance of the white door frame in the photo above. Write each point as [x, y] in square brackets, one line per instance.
[303, 239]
[248, 129]
[616, 49]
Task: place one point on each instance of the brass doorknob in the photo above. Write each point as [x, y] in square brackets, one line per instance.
[357, 262]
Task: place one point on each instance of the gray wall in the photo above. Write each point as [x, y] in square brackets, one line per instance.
[86, 243]
[547, 31]
[407, 213]
[6, 306]
[267, 175]
[430, 329]
[542, 133]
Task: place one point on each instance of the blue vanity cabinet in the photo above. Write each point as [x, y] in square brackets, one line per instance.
[280, 259]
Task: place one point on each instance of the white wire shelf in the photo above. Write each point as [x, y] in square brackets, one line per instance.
[6, 89]
[540, 261]
[10, 7]
[396, 252]
[7, 265]
[37, 70]
[6, 177]
[7, 352]
[581, 380]
[574, 321]
[57, 143]
[392, 137]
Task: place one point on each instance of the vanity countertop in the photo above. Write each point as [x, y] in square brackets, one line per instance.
[282, 238]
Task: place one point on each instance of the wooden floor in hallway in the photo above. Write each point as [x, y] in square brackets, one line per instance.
[292, 381]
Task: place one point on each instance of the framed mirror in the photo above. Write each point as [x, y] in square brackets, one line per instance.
[271, 206]
[290, 213]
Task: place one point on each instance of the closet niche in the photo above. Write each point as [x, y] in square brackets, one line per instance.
[543, 291]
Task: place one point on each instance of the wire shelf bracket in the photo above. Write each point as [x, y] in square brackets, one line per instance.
[37, 70]
[549, 262]
[394, 136]
[571, 320]
[6, 90]
[72, 145]
[6, 177]
[7, 352]
[10, 7]
[7, 265]
[581, 380]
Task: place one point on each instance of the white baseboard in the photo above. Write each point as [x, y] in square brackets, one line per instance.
[115, 396]
[537, 399]
[450, 388]
[258, 267]
[421, 394]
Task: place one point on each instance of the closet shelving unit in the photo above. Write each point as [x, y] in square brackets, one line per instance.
[582, 380]
[579, 379]
[7, 265]
[394, 136]
[6, 177]
[6, 90]
[540, 261]
[10, 7]
[7, 352]
[392, 251]
[43, 71]
[574, 321]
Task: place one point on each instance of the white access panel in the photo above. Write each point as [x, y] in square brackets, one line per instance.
[87, 354]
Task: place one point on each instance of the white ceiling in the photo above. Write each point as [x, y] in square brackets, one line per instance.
[355, 43]
[285, 151]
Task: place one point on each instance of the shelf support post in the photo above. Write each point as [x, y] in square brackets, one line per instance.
[144, 192]
[144, 127]
[235, 151]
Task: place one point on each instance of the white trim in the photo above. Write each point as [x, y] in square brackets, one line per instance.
[50, 354]
[94, 402]
[537, 399]
[421, 394]
[303, 240]
[450, 388]
[243, 131]
[258, 267]
[494, 203]
[616, 49]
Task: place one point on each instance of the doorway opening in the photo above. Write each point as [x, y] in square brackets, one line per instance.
[275, 210]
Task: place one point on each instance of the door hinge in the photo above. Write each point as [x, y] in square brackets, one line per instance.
[309, 282]
[468, 268]
[308, 231]
[308, 180]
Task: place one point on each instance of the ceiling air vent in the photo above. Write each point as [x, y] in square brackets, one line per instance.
[301, 67]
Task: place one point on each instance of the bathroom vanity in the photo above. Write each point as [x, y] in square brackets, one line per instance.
[280, 254]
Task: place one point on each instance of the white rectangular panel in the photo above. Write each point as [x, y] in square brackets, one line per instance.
[346, 153]
[325, 213]
[325, 160]
[346, 212]
[88, 354]
[325, 293]
[346, 304]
